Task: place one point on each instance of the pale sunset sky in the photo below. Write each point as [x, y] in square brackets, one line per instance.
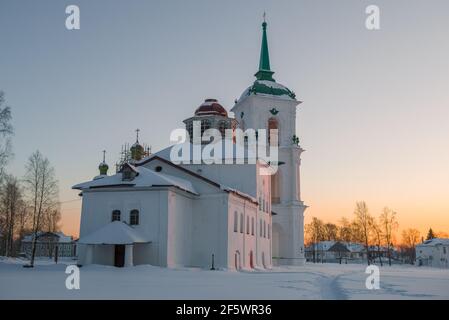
[375, 117]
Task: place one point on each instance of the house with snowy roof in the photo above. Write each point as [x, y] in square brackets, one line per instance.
[48, 244]
[180, 212]
[433, 253]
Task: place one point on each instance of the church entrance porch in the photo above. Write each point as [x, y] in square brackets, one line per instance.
[113, 245]
[119, 255]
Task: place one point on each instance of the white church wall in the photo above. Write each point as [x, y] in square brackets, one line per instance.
[179, 235]
[199, 184]
[256, 113]
[209, 225]
[237, 176]
[152, 205]
[243, 234]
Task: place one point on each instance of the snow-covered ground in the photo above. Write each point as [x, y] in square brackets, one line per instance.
[320, 281]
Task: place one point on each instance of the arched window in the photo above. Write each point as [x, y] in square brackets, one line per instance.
[236, 222]
[222, 127]
[261, 228]
[252, 226]
[115, 215]
[241, 223]
[247, 224]
[205, 124]
[264, 229]
[275, 187]
[260, 203]
[269, 232]
[134, 217]
[273, 125]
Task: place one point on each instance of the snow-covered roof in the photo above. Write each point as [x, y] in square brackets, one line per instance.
[145, 178]
[115, 232]
[268, 88]
[238, 153]
[239, 193]
[62, 238]
[435, 241]
[354, 247]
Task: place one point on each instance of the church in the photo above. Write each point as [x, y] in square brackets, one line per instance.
[236, 216]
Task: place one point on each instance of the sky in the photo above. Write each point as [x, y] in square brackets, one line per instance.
[375, 111]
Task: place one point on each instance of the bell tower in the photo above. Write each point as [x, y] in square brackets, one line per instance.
[267, 104]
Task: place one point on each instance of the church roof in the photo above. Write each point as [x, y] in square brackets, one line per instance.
[215, 184]
[265, 84]
[211, 107]
[116, 232]
[144, 178]
[240, 152]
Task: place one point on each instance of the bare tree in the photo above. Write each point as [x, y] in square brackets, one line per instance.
[330, 231]
[315, 233]
[42, 188]
[410, 237]
[345, 230]
[10, 206]
[389, 225]
[363, 220]
[377, 235]
[6, 131]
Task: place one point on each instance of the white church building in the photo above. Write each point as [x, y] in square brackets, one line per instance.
[228, 215]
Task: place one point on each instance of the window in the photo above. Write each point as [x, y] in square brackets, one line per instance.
[116, 215]
[261, 228]
[247, 224]
[236, 222]
[222, 127]
[260, 203]
[158, 169]
[269, 232]
[263, 205]
[205, 125]
[241, 223]
[273, 125]
[134, 217]
[264, 229]
[275, 187]
[252, 226]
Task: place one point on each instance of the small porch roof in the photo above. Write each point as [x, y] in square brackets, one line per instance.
[116, 232]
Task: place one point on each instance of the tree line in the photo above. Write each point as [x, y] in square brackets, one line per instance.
[28, 204]
[374, 233]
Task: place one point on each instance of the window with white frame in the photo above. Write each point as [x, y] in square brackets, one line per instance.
[134, 217]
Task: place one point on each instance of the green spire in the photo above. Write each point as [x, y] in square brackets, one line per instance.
[264, 72]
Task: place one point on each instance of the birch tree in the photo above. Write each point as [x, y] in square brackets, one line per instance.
[389, 225]
[42, 188]
[364, 222]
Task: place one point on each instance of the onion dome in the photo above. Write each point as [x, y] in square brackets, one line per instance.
[103, 166]
[211, 107]
[137, 150]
